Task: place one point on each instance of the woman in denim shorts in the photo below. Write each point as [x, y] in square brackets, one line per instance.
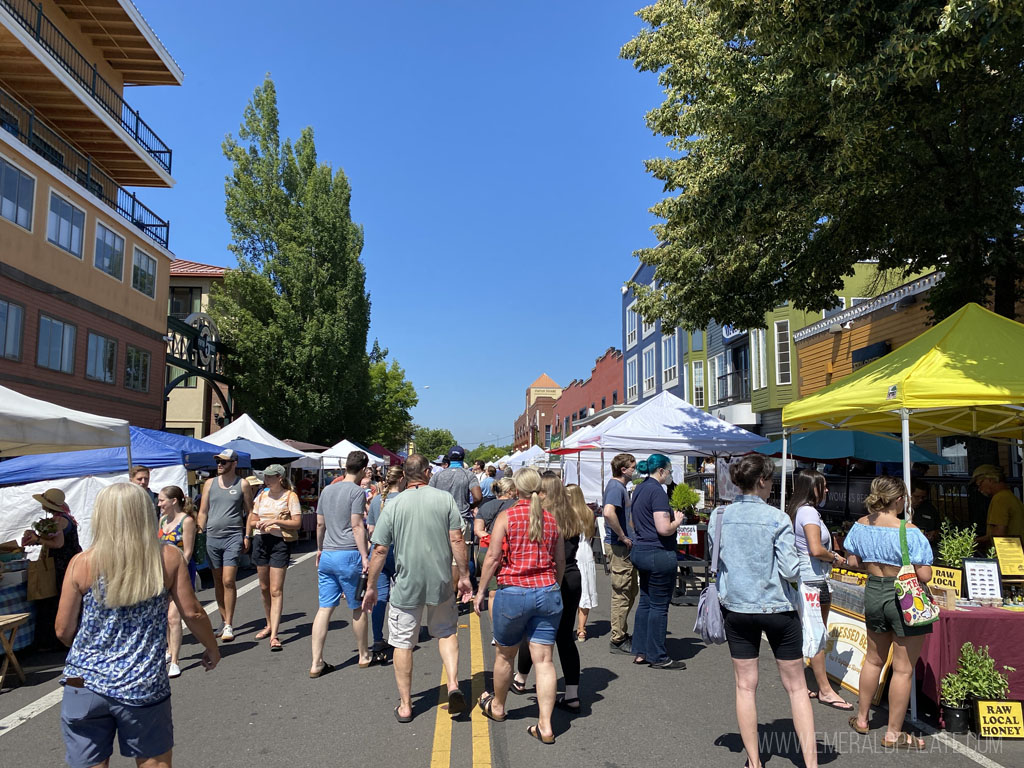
[528, 605]
[113, 614]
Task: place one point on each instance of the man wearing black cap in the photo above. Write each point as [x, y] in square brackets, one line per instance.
[464, 487]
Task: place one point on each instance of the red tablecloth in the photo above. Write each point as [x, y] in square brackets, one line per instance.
[1002, 631]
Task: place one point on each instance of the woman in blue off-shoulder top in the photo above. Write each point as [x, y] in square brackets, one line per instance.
[874, 544]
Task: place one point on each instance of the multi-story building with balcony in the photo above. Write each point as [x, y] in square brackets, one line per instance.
[83, 262]
[744, 377]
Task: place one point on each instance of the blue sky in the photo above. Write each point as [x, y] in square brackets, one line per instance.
[495, 152]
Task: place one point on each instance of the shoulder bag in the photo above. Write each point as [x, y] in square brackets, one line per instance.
[710, 624]
[915, 603]
[41, 580]
[288, 534]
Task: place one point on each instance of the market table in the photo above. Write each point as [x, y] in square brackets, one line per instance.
[9, 625]
[14, 599]
[998, 628]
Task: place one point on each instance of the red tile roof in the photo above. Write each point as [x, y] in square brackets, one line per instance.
[544, 381]
[182, 268]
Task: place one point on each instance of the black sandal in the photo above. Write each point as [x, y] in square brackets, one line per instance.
[517, 688]
[569, 705]
[485, 707]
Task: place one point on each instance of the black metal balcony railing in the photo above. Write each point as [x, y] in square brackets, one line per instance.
[22, 122]
[734, 388]
[31, 17]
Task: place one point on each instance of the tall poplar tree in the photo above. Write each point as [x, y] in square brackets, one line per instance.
[295, 314]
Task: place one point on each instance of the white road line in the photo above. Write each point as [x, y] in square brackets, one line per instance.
[54, 697]
[972, 754]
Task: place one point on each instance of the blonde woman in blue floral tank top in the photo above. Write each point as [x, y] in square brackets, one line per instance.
[113, 615]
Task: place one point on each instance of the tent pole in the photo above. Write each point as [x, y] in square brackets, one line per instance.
[846, 510]
[128, 449]
[785, 443]
[602, 469]
[905, 429]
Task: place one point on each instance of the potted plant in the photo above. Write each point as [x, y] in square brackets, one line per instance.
[955, 712]
[976, 677]
[955, 544]
[684, 499]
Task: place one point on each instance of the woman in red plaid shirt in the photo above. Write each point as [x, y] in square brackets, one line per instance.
[529, 602]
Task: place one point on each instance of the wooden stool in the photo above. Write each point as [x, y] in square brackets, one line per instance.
[9, 624]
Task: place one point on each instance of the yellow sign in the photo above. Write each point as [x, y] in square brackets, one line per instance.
[1000, 720]
[1010, 554]
[947, 578]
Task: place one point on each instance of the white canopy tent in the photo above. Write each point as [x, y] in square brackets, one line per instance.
[31, 426]
[247, 427]
[334, 457]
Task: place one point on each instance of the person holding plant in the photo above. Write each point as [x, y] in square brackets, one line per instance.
[57, 533]
[814, 548]
[873, 543]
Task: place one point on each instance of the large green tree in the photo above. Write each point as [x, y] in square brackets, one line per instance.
[295, 313]
[810, 135]
[488, 452]
[391, 398]
[430, 442]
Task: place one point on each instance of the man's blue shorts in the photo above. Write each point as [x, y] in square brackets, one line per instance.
[89, 721]
[339, 574]
[224, 550]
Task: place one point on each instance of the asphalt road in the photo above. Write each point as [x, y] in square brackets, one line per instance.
[261, 709]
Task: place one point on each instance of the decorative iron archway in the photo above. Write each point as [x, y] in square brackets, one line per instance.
[194, 346]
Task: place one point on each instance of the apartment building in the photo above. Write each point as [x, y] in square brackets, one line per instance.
[741, 376]
[192, 408]
[83, 262]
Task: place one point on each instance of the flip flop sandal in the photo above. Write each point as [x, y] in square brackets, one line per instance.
[534, 731]
[456, 702]
[277, 647]
[517, 688]
[581, 636]
[401, 718]
[485, 707]
[324, 670]
[861, 730]
[904, 741]
[842, 706]
[263, 634]
[569, 705]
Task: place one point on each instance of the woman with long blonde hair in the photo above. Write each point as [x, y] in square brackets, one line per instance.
[556, 500]
[584, 558]
[177, 527]
[528, 605]
[113, 614]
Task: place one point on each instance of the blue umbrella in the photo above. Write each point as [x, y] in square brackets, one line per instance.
[262, 453]
[833, 444]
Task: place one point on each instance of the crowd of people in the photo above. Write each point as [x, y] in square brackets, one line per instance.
[397, 551]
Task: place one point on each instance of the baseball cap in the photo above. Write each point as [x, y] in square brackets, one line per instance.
[228, 454]
[986, 470]
[274, 469]
[457, 453]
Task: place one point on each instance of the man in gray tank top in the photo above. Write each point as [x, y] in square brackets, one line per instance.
[223, 515]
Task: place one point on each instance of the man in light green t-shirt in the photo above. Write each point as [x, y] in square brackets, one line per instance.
[1005, 510]
[425, 527]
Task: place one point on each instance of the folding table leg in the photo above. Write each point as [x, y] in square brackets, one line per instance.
[9, 658]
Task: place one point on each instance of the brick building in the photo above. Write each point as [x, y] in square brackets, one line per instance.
[83, 263]
[535, 425]
[583, 399]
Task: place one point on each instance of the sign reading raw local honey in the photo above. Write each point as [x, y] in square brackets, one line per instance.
[1000, 719]
[1010, 554]
[947, 578]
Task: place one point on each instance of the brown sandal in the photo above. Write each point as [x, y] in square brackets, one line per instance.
[905, 741]
[534, 731]
[853, 724]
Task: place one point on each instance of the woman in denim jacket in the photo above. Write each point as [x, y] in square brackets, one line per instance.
[756, 564]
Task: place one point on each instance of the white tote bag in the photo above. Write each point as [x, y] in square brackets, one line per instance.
[815, 634]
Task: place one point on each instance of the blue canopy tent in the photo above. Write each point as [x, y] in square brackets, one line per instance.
[834, 444]
[260, 454]
[149, 448]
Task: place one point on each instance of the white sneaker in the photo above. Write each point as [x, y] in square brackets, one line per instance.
[227, 634]
[167, 657]
[174, 671]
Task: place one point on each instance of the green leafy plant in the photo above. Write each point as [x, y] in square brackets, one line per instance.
[976, 676]
[45, 526]
[991, 554]
[955, 544]
[684, 498]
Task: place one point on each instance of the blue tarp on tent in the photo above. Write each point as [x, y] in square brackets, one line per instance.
[258, 452]
[150, 448]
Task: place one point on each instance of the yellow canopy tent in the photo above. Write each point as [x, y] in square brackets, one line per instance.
[964, 376]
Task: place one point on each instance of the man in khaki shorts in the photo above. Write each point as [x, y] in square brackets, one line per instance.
[425, 528]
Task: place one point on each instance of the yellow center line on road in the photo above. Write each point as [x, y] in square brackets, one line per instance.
[441, 755]
[481, 725]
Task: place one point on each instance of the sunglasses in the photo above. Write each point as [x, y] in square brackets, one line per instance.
[225, 461]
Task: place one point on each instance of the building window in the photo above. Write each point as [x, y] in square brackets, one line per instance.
[136, 369]
[648, 328]
[858, 300]
[650, 375]
[759, 359]
[66, 225]
[631, 392]
[827, 313]
[630, 327]
[185, 301]
[11, 321]
[615, 397]
[144, 273]
[782, 362]
[603, 401]
[109, 256]
[698, 383]
[547, 435]
[670, 359]
[56, 345]
[17, 192]
[697, 341]
[101, 359]
[713, 374]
